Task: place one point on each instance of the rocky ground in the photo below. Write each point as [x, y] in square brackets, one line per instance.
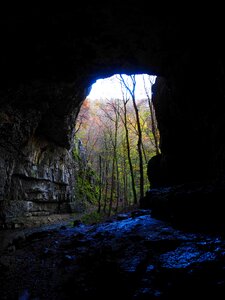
[132, 256]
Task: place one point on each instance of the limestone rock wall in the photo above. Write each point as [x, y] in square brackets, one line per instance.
[37, 167]
[38, 181]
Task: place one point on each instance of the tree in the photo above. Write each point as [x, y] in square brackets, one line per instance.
[125, 100]
[119, 142]
[111, 112]
[131, 91]
[83, 115]
[155, 131]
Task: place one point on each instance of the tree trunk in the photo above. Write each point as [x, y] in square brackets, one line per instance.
[153, 119]
[100, 184]
[129, 155]
[139, 143]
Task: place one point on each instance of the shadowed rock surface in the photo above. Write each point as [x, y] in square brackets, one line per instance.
[196, 205]
[132, 256]
[49, 59]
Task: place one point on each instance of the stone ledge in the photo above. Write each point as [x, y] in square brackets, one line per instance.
[193, 205]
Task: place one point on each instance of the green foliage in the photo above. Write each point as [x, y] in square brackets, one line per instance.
[93, 217]
[85, 189]
[76, 155]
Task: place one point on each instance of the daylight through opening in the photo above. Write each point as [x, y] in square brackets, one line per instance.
[116, 135]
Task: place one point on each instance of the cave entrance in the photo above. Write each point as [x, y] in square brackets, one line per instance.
[116, 135]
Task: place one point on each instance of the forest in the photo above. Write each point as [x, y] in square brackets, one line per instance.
[114, 140]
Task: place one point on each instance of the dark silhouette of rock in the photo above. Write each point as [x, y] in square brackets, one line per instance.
[49, 61]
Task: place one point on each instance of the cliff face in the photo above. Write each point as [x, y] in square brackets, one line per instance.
[50, 60]
[36, 181]
[36, 164]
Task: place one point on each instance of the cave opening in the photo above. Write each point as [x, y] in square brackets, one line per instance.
[116, 134]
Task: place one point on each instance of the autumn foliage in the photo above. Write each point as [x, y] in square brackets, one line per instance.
[114, 134]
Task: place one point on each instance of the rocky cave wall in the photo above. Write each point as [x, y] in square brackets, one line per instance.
[191, 121]
[36, 164]
[50, 59]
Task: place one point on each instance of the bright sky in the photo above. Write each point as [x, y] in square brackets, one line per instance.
[111, 88]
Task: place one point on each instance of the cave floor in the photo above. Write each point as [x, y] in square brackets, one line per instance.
[131, 256]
